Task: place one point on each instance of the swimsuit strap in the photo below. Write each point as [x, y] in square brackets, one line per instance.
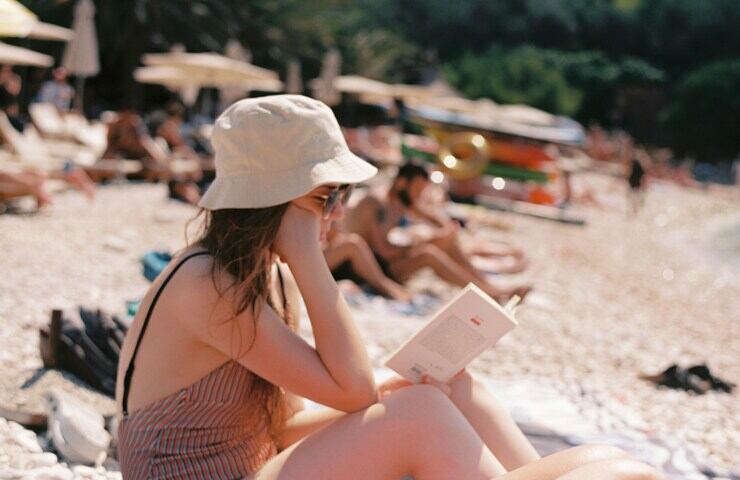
[130, 368]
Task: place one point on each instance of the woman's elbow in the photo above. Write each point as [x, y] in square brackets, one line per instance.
[358, 399]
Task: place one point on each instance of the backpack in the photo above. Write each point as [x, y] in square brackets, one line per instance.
[85, 342]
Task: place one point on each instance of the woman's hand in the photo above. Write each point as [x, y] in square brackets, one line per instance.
[298, 234]
[396, 383]
[390, 385]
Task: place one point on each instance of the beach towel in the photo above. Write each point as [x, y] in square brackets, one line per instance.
[153, 263]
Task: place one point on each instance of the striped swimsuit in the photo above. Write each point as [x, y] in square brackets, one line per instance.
[206, 430]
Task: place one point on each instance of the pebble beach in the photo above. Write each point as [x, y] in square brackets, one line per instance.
[620, 297]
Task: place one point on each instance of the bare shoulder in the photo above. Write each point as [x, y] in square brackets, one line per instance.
[201, 295]
[370, 200]
[368, 206]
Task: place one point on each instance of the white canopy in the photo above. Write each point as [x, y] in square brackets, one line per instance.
[11, 55]
[17, 21]
[176, 77]
[209, 67]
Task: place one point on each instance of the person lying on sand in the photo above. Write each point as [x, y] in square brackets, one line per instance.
[375, 216]
[349, 258]
[212, 371]
[129, 139]
[32, 182]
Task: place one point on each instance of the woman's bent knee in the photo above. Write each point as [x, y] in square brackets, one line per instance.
[425, 405]
[419, 398]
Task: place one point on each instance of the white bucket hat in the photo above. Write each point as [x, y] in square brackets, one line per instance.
[271, 150]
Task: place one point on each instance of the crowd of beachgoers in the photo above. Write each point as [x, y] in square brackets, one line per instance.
[645, 279]
[619, 298]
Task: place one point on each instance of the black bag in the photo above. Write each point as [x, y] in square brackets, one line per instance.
[85, 342]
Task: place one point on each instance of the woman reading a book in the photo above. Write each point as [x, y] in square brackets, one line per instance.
[212, 370]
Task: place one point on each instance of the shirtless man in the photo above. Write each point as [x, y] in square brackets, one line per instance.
[375, 216]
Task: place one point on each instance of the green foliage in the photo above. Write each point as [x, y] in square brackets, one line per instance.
[380, 54]
[704, 115]
[580, 84]
[565, 56]
[521, 75]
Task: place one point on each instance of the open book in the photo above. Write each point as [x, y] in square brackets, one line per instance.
[470, 323]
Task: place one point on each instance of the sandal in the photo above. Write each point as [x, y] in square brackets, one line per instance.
[702, 372]
[680, 379]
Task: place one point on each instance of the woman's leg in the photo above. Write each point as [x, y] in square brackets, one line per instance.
[589, 462]
[503, 437]
[415, 431]
[448, 270]
[621, 469]
[451, 246]
[352, 248]
[491, 421]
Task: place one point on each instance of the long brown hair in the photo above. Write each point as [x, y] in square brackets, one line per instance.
[240, 242]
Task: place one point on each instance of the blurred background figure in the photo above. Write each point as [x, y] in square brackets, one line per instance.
[57, 91]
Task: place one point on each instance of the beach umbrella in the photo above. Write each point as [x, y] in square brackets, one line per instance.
[187, 91]
[526, 114]
[17, 21]
[210, 67]
[370, 89]
[323, 87]
[411, 92]
[177, 78]
[452, 104]
[81, 55]
[11, 55]
[361, 85]
[215, 70]
[293, 80]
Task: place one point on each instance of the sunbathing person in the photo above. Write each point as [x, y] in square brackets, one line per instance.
[129, 139]
[31, 182]
[170, 130]
[375, 216]
[349, 258]
[212, 371]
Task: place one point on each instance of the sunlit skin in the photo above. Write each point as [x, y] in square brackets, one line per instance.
[365, 431]
[375, 216]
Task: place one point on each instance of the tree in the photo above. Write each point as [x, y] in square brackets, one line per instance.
[703, 117]
[521, 75]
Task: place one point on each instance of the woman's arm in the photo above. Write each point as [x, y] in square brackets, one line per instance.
[304, 423]
[338, 343]
[336, 373]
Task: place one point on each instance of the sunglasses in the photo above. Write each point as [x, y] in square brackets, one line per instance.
[339, 194]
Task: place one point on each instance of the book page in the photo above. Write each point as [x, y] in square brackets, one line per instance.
[459, 332]
[452, 339]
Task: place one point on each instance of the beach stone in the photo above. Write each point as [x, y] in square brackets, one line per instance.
[600, 315]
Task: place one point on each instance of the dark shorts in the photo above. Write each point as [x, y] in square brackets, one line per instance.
[344, 271]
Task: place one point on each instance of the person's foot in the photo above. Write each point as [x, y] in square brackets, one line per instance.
[185, 191]
[397, 292]
[80, 180]
[503, 295]
[42, 197]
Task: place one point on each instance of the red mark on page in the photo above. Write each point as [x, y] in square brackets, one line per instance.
[476, 320]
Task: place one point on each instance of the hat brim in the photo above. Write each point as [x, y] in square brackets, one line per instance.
[260, 190]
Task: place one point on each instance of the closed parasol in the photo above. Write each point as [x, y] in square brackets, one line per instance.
[11, 55]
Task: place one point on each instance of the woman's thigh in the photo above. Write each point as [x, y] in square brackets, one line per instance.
[416, 431]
